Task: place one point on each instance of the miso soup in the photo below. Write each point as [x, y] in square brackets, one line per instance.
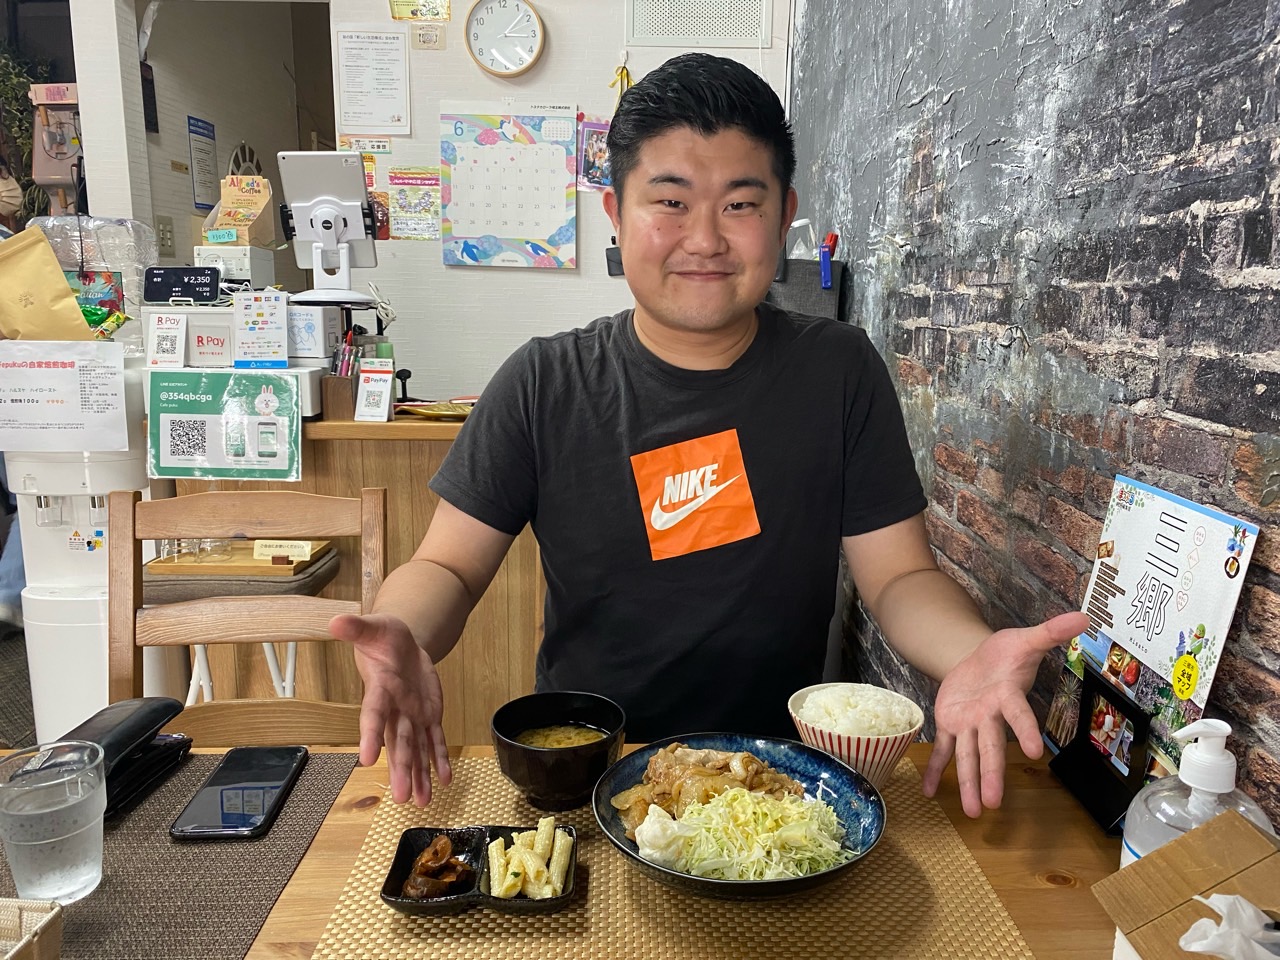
[560, 735]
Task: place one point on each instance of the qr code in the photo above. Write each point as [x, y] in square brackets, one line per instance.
[187, 437]
[373, 400]
[167, 344]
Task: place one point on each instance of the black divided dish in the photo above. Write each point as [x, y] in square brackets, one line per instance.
[470, 845]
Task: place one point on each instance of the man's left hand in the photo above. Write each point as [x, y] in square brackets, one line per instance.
[983, 692]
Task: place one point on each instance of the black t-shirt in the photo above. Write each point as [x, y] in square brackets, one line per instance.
[689, 521]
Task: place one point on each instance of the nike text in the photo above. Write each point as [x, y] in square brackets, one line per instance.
[691, 483]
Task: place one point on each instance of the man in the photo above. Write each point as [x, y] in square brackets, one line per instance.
[690, 469]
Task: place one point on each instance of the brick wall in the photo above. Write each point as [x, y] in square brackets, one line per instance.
[1062, 219]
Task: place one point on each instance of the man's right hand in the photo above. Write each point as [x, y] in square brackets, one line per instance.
[403, 704]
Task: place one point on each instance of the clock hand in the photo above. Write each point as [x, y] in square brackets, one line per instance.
[514, 23]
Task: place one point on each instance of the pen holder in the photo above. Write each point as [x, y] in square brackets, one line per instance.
[338, 398]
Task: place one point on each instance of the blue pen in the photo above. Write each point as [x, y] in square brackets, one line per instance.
[824, 265]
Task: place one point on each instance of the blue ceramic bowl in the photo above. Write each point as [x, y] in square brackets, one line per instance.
[856, 802]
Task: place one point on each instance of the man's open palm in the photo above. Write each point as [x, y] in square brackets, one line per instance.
[979, 696]
[403, 704]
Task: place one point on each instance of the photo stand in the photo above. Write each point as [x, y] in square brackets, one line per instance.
[1088, 772]
[329, 217]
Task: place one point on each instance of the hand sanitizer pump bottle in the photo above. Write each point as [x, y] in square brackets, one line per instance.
[1204, 787]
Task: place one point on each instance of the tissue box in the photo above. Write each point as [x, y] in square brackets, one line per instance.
[1150, 900]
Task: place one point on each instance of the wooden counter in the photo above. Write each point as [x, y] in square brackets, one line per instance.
[405, 428]
[494, 660]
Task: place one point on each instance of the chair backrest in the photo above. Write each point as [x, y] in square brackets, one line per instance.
[249, 514]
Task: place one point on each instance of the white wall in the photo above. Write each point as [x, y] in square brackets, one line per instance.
[457, 325]
[228, 63]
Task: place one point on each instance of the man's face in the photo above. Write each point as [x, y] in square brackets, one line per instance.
[700, 226]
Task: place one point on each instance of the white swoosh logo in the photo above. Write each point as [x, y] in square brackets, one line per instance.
[662, 520]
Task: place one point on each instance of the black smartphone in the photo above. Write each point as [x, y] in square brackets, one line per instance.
[243, 795]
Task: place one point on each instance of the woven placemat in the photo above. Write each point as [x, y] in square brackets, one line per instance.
[919, 893]
[204, 901]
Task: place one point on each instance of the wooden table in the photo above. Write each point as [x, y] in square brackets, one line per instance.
[1040, 852]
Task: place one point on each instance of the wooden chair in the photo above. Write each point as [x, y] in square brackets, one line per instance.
[256, 514]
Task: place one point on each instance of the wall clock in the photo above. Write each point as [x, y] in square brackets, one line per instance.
[505, 37]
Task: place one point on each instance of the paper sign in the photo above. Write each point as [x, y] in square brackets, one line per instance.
[427, 36]
[204, 162]
[414, 196]
[63, 396]
[241, 425]
[227, 235]
[420, 9]
[364, 144]
[51, 93]
[293, 549]
[376, 386]
[167, 340]
[260, 319]
[373, 81]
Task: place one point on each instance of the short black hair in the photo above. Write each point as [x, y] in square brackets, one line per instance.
[708, 94]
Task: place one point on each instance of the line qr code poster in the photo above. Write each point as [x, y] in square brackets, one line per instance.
[239, 426]
[508, 187]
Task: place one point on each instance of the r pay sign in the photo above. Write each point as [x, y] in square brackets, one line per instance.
[167, 340]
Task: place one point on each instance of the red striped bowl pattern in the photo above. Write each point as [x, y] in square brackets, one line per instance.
[873, 757]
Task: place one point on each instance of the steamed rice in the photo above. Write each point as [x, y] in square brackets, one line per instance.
[859, 710]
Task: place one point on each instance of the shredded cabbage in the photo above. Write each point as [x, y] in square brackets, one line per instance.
[742, 835]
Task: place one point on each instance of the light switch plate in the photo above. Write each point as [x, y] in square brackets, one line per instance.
[164, 237]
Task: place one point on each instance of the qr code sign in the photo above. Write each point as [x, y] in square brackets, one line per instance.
[167, 344]
[187, 438]
[373, 400]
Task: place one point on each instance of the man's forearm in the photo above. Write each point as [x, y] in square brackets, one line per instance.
[431, 600]
[930, 620]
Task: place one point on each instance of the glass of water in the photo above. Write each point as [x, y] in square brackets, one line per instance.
[212, 550]
[52, 798]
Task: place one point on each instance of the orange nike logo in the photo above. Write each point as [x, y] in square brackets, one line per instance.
[686, 506]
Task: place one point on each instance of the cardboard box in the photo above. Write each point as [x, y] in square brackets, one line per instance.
[1150, 900]
[245, 207]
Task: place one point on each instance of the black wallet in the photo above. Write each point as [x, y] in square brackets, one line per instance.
[136, 756]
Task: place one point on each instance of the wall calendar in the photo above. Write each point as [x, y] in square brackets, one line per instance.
[508, 186]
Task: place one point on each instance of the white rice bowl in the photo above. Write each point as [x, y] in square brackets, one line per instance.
[859, 710]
